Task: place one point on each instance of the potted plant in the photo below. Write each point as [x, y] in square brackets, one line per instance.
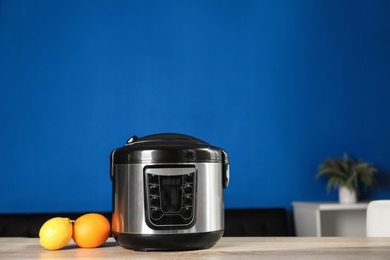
[346, 174]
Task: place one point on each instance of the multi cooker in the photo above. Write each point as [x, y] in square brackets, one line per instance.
[168, 192]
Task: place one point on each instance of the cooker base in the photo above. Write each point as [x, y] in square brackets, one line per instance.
[168, 242]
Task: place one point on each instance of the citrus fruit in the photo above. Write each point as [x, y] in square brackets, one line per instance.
[91, 230]
[55, 233]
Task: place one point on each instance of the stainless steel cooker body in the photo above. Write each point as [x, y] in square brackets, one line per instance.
[168, 193]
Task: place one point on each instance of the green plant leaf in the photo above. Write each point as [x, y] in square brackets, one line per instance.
[347, 172]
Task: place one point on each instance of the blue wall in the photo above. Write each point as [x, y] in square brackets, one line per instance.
[281, 85]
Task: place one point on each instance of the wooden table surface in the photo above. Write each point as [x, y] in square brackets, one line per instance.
[227, 248]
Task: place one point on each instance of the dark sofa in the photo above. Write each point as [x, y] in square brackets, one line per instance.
[238, 222]
[258, 222]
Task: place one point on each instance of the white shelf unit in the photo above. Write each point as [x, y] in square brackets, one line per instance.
[324, 219]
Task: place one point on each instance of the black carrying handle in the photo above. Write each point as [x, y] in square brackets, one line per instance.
[225, 169]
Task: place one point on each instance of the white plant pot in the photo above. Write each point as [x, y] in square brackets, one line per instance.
[346, 196]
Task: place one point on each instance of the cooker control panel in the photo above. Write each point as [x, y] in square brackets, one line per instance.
[170, 197]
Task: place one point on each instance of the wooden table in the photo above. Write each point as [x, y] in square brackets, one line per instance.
[227, 248]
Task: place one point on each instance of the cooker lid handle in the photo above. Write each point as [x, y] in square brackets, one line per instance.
[132, 139]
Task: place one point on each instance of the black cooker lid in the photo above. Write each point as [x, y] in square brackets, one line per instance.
[167, 148]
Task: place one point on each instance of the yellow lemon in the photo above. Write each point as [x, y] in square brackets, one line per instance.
[55, 233]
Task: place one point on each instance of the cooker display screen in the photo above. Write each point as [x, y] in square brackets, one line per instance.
[171, 193]
[171, 181]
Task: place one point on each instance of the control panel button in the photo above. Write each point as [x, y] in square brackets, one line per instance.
[156, 214]
[189, 178]
[187, 201]
[187, 189]
[155, 202]
[153, 179]
[186, 212]
[154, 190]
